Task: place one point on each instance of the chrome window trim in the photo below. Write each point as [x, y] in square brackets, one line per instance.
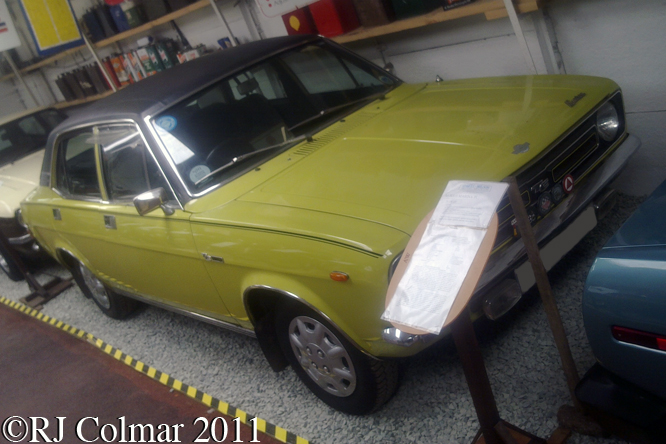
[56, 148]
[295, 297]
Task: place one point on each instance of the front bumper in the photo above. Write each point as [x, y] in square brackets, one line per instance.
[503, 264]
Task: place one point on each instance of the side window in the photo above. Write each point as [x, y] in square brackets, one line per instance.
[32, 127]
[128, 167]
[76, 172]
[4, 139]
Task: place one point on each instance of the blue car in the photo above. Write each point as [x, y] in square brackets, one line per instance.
[624, 311]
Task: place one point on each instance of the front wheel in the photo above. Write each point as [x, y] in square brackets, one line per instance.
[330, 366]
[112, 304]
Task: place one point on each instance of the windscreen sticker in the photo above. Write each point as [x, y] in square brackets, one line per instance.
[198, 172]
[167, 122]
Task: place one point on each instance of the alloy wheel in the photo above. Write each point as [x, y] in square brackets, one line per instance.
[322, 356]
[96, 287]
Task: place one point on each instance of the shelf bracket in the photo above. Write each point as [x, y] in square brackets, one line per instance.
[518, 30]
[224, 22]
[99, 63]
[8, 57]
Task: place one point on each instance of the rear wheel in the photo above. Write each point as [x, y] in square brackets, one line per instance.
[8, 265]
[329, 365]
[112, 304]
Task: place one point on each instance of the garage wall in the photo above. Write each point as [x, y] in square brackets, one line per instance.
[624, 41]
[611, 38]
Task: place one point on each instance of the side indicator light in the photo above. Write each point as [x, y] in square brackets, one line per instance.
[637, 337]
[339, 276]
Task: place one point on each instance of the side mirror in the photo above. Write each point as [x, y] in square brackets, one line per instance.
[151, 200]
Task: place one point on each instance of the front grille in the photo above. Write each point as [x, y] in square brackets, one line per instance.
[576, 155]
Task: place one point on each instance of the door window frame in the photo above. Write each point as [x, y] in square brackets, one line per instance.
[98, 164]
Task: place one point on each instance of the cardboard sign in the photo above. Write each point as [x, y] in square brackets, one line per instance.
[443, 260]
[8, 36]
[276, 8]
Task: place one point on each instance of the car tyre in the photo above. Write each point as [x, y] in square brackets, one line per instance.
[8, 265]
[330, 366]
[112, 304]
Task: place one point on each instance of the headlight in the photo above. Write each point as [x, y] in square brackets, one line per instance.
[608, 122]
[394, 265]
[19, 219]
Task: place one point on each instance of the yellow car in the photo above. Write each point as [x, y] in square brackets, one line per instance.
[271, 188]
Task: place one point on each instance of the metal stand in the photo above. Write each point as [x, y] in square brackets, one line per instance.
[41, 294]
[493, 429]
[576, 418]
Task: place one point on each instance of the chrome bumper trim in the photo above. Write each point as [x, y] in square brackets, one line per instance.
[21, 240]
[565, 212]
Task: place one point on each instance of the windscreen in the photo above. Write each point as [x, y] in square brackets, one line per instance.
[256, 113]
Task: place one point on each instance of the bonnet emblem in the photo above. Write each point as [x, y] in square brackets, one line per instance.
[571, 103]
[520, 149]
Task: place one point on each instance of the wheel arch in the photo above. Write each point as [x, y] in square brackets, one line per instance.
[262, 303]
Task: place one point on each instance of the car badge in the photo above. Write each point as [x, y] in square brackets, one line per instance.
[545, 203]
[557, 192]
[520, 149]
[568, 183]
[571, 103]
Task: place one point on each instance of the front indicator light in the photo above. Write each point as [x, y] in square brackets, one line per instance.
[641, 338]
[608, 122]
[339, 276]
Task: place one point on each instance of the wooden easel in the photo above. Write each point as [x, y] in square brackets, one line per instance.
[40, 294]
[493, 429]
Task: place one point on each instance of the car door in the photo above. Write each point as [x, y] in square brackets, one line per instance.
[100, 169]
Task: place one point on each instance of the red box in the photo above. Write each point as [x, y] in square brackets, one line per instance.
[334, 17]
[299, 22]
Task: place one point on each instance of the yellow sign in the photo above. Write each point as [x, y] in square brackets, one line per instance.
[52, 24]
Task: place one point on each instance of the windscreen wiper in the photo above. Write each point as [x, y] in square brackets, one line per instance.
[333, 109]
[237, 159]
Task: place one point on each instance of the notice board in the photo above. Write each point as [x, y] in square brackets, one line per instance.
[52, 24]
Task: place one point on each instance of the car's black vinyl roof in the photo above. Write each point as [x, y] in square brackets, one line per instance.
[156, 93]
[151, 95]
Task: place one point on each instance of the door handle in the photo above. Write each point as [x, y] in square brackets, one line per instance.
[110, 222]
[56, 214]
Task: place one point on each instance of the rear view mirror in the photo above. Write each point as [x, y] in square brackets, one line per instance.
[151, 200]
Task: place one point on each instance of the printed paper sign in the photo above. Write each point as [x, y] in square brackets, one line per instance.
[443, 258]
[8, 36]
[275, 8]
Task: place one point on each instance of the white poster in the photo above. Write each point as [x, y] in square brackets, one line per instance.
[8, 36]
[275, 8]
[444, 255]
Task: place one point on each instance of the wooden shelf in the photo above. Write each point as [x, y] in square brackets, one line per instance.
[123, 35]
[7, 77]
[52, 59]
[160, 21]
[60, 105]
[493, 9]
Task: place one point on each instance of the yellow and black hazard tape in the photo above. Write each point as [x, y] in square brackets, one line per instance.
[225, 408]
